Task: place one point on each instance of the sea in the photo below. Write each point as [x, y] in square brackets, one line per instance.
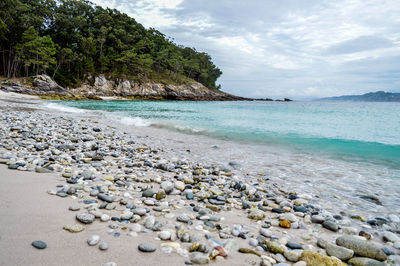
[346, 152]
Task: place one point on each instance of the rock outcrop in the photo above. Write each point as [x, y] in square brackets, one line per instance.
[126, 88]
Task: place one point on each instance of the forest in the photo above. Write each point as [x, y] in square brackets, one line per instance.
[73, 40]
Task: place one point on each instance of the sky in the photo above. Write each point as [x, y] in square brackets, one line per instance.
[301, 49]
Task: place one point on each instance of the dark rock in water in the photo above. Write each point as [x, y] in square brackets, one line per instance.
[96, 129]
[293, 197]
[278, 210]
[294, 245]
[371, 198]
[39, 244]
[331, 225]
[388, 251]
[146, 247]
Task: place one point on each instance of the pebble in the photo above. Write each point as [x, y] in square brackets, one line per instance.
[103, 246]
[85, 218]
[146, 247]
[74, 208]
[93, 240]
[74, 228]
[39, 244]
[164, 235]
[341, 253]
[199, 258]
[361, 247]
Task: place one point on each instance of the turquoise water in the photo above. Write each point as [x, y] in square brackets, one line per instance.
[355, 131]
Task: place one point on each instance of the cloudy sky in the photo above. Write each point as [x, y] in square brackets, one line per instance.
[286, 48]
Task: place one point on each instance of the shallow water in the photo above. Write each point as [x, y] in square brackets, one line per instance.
[335, 151]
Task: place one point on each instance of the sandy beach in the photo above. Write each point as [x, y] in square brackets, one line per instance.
[135, 187]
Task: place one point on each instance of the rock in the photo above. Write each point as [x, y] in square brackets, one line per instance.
[290, 217]
[256, 214]
[300, 263]
[85, 218]
[105, 218]
[164, 235]
[160, 194]
[388, 251]
[105, 198]
[294, 245]
[361, 247]
[74, 208]
[179, 185]
[183, 218]
[317, 219]
[322, 243]
[341, 253]
[103, 246]
[360, 261]
[146, 247]
[75, 228]
[231, 245]
[93, 240]
[253, 242]
[167, 186]
[149, 222]
[313, 258]
[39, 244]
[199, 258]
[390, 237]
[265, 232]
[148, 193]
[331, 225]
[293, 255]
[284, 223]
[275, 247]
[249, 251]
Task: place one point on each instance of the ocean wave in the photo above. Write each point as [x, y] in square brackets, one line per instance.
[135, 121]
[64, 108]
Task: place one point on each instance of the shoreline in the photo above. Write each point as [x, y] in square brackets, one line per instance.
[131, 159]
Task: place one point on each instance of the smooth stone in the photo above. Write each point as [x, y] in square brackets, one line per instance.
[361, 247]
[249, 251]
[164, 235]
[293, 255]
[199, 258]
[74, 208]
[39, 244]
[140, 212]
[231, 245]
[93, 240]
[75, 228]
[179, 185]
[275, 247]
[105, 218]
[390, 237]
[317, 219]
[294, 245]
[265, 232]
[256, 214]
[146, 247]
[183, 218]
[136, 228]
[339, 252]
[253, 242]
[85, 218]
[167, 186]
[148, 193]
[105, 198]
[388, 251]
[313, 258]
[360, 261]
[103, 246]
[333, 226]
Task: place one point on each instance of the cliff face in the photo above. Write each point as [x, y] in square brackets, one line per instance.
[126, 88]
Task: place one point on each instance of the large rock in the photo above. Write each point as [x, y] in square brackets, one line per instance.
[339, 252]
[45, 84]
[359, 261]
[313, 258]
[362, 247]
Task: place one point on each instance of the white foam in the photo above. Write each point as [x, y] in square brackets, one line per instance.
[64, 108]
[135, 121]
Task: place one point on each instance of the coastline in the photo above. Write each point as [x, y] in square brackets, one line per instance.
[121, 247]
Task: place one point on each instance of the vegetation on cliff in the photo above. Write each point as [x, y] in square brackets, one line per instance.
[72, 40]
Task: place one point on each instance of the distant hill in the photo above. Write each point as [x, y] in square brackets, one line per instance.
[379, 96]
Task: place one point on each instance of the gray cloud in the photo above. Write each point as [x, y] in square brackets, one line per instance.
[288, 48]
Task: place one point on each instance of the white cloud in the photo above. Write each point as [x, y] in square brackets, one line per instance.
[303, 48]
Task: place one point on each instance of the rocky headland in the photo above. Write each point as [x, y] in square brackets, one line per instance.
[122, 186]
[118, 89]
